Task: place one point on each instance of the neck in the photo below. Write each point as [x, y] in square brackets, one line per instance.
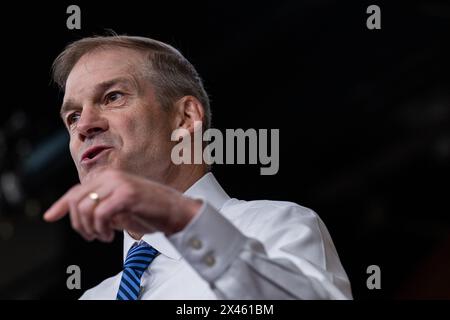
[183, 177]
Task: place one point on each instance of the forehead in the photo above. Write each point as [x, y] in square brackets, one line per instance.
[102, 65]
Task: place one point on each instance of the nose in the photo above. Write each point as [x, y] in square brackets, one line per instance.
[91, 123]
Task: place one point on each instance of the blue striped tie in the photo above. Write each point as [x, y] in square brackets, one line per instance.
[138, 259]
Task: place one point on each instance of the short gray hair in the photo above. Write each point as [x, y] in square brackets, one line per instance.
[170, 72]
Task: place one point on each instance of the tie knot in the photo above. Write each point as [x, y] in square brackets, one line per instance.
[139, 257]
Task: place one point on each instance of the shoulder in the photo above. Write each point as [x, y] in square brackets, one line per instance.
[263, 217]
[266, 210]
[286, 229]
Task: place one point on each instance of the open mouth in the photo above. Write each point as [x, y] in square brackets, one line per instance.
[93, 153]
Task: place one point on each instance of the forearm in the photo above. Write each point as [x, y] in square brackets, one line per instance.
[238, 267]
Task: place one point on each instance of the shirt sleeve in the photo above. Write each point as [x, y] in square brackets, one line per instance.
[293, 257]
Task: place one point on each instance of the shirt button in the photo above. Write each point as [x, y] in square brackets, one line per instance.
[195, 243]
[209, 260]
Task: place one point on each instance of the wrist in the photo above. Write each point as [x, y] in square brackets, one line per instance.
[184, 213]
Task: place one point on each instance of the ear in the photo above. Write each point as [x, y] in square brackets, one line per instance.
[189, 111]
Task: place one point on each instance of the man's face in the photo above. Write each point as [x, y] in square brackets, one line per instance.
[113, 117]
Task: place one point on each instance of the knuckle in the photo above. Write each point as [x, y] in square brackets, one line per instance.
[74, 189]
[72, 201]
[115, 174]
[83, 208]
[74, 224]
[123, 203]
[100, 213]
[127, 193]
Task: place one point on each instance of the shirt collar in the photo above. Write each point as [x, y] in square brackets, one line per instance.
[206, 188]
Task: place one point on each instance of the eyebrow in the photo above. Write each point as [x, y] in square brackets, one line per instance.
[98, 90]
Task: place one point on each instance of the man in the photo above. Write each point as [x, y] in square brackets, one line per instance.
[184, 237]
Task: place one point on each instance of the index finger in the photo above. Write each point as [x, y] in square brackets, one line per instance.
[58, 210]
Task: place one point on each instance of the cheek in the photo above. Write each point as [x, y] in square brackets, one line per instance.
[144, 130]
[73, 151]
[130, 134]
[144, 125]
[129, 130]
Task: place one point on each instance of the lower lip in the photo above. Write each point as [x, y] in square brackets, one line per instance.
[90, 161]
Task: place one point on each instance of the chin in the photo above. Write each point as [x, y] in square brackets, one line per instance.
[92, 173]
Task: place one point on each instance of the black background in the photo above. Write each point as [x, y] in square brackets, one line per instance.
[363, 115]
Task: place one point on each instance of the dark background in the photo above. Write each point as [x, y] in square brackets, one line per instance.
[364, 119]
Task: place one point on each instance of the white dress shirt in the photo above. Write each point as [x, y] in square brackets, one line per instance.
[236, 249]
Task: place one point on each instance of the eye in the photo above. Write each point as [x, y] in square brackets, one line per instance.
[113, 96]
[73, 117]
